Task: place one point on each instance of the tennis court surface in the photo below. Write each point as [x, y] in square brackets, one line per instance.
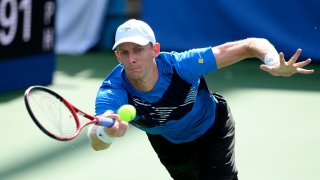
[277, 128]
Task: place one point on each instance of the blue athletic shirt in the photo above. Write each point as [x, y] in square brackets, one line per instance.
[189, 66]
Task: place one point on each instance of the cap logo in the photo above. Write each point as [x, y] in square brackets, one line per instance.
[134, 31]
[127, 28]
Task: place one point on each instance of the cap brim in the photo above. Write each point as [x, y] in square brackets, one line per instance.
[134, 39]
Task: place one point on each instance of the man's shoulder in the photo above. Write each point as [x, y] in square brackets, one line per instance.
[168, 57]
[114, 78]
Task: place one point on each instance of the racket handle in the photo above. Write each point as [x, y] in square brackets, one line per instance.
[107, 122]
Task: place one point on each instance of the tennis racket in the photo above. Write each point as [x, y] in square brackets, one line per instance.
[55, 116]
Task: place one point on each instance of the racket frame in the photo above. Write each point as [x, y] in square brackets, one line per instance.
[74, 111]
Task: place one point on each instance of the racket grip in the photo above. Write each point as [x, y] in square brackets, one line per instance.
[107, 122]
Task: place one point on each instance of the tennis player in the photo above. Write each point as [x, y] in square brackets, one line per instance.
[191, 129]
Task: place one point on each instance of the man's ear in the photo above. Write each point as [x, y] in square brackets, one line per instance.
[156, 49]
[118, 56]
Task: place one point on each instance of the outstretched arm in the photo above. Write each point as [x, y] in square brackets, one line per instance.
[232, 52]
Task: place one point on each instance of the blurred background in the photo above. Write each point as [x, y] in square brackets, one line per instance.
[66, 45]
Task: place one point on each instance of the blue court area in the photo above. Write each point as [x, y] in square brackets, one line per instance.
[277, 128]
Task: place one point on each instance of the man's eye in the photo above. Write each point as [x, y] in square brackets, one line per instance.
[138, 50]
[123, 53]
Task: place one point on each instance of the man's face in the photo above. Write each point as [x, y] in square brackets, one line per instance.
[136, 59]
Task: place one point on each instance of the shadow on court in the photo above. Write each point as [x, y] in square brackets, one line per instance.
[38, 159]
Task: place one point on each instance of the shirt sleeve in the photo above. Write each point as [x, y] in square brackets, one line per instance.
[194, 64]
[111, 95]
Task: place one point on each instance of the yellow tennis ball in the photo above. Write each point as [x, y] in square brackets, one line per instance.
[127, 112]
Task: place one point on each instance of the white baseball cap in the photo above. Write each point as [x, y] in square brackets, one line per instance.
[134, 31]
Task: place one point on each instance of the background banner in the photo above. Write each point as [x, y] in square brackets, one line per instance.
[27, 37]
[180, 24]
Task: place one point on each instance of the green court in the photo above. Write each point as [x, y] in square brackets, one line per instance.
[277, 127]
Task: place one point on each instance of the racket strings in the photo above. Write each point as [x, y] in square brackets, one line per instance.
[52, 114]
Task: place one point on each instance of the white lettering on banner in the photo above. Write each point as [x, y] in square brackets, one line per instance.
[9, 11]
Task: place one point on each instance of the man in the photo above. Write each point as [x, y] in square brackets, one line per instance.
[190, 128]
